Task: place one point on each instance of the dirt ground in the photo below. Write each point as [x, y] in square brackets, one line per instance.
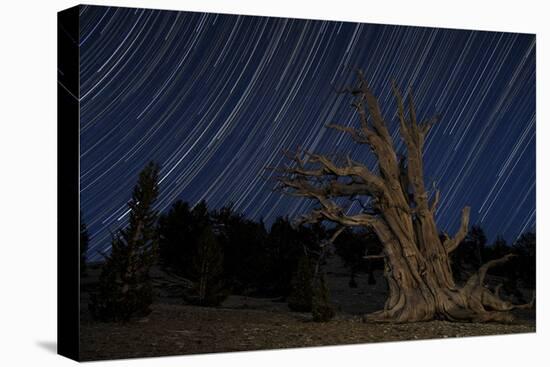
[246, 323]
[181, 329]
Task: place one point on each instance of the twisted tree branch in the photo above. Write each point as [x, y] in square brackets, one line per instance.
[452, 243]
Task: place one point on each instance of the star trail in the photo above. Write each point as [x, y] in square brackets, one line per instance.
[215, 98]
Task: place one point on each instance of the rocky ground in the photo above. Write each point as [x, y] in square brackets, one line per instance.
[246, 323]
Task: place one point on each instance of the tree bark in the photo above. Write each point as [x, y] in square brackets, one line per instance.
[417, 265]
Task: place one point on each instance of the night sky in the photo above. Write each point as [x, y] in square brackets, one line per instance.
[215, 98]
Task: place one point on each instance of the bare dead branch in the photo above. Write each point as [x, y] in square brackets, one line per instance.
[404, 130]
[373, 257]
[452, 243]
[355, 134]
[482, 272]
[427, 125]
[412, 110]
[497, 290]
[433, 207]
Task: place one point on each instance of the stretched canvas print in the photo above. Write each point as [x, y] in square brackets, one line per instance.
[232, 183]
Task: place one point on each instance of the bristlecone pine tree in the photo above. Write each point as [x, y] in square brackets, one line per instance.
[418, 271]
[207, 269]
[124, 287]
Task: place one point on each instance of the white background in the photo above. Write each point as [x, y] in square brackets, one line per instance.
[28, 181]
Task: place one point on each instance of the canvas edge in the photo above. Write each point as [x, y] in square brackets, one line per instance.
[68, 213]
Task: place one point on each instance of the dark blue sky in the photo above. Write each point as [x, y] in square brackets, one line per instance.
[214, 99]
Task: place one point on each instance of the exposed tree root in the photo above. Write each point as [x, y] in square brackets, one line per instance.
[472, 303]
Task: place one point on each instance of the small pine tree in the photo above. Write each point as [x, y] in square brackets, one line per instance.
[176, 240]
[124, 287]
[351, 246]
[470, 254]
[525, 264]
[84, 241]
[207, 270]
[301, 292]
[321, 307]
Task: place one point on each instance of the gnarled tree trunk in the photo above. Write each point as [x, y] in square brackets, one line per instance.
[417, 267]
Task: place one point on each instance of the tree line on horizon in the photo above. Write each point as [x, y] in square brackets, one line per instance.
[221, 252]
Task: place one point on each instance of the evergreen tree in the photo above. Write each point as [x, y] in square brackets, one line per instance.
[84, 243]
[176, 238]
[508, 271]
[470, 254]
[351, 247]
[124, 287]
[321, 307]
[245, 252]
[207, 270]
[179, 232]
[285, 246]
[499, 248]
[301, 292]
[525, 264]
